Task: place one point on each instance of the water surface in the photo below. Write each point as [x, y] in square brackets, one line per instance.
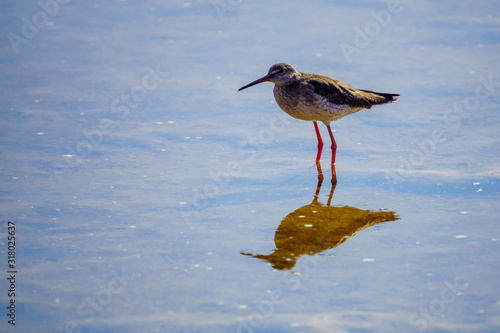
[150, 195]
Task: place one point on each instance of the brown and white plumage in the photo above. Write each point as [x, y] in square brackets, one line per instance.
[316, 97]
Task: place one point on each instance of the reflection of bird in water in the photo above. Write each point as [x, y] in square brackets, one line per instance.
[316, 97]
[317, 227]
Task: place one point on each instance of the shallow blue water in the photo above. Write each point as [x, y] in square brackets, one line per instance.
[137, 174]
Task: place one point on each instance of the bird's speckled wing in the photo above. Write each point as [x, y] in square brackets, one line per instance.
[340, 93]
[337, 92]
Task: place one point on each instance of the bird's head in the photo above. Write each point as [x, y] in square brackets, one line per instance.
[280, 74]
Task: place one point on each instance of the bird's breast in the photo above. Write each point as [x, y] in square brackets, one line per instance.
[303, 103]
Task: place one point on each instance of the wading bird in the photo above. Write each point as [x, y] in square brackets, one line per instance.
[316, 97]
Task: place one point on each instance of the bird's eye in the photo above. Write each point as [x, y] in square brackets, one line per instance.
[281, 71]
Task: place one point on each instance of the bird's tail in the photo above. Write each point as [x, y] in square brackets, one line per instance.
[377, 98]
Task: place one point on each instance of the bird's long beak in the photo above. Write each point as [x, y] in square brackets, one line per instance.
[262, 79]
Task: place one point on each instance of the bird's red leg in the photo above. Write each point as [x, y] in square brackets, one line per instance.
[334, 144]
[320, 142]
[334, 153]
